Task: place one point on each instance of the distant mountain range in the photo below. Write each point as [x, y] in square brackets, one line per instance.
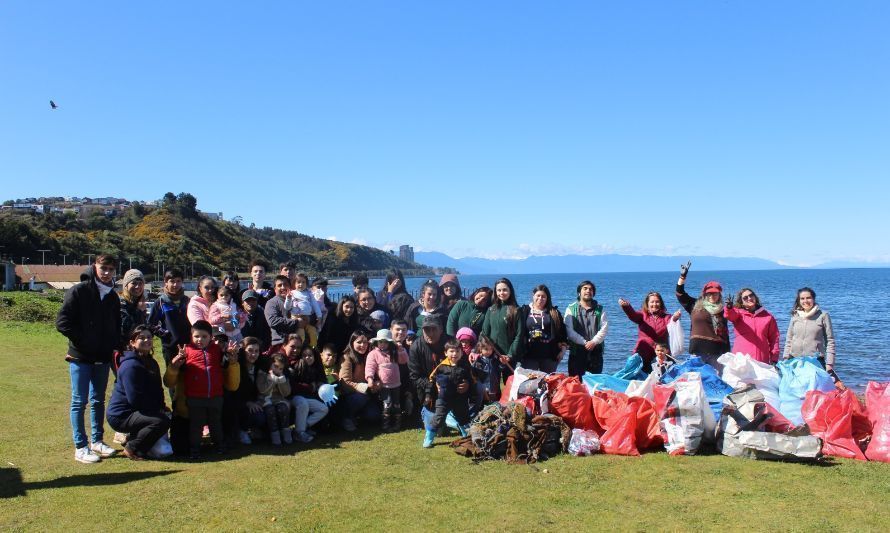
[569, 264]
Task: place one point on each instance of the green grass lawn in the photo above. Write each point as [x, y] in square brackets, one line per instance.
[380, 482]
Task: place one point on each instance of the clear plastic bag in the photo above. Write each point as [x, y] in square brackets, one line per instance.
[584, 442]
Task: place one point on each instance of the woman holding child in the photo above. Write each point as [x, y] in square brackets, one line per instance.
[199, 304]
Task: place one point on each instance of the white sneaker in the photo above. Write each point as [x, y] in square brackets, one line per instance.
[102, 449]
[86, 455]
[244, 437]
[120, 438]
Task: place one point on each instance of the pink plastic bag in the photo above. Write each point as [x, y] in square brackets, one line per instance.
[839, 420]
[877, 402]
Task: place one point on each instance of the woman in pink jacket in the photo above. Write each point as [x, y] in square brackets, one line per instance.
[756, 331]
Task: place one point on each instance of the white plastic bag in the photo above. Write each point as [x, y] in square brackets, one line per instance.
[643, 389]
[584, 442]
[676, 340]
[740, 370]
[161, 449]
[688, 420]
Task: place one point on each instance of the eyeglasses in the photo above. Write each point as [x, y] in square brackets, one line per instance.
[749, 297]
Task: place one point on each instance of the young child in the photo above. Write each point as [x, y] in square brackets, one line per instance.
[486, 368]
[409, 338]
[274, 388]
[663, 359]
[331, 364]
[202, 364]
[225, 316]
[302, 305]
[447, 377]
[307, 375]
[382, 368]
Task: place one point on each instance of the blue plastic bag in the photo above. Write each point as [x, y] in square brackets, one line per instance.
[633, 369]
[604, 382]
[715, 388]
[797, 376]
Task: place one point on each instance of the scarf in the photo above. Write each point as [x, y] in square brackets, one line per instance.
[808, 314]
[716, 312]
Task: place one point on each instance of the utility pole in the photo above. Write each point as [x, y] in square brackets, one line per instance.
[90, 258]
[63, 259]
[43, 256]
[131, 262]
[158, 261]
[24, 259]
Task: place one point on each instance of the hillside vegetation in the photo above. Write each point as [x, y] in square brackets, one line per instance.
[177, 234]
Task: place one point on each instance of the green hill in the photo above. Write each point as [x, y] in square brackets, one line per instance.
[179, 235]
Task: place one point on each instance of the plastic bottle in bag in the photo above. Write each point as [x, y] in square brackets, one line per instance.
[584, 442]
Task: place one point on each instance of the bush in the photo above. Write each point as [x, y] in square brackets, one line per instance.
[30, 306]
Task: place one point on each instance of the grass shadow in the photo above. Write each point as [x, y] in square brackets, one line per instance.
[12, 484]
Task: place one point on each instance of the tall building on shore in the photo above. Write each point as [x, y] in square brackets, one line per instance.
[406, 253]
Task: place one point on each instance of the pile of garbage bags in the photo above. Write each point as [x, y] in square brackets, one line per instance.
[792, 411]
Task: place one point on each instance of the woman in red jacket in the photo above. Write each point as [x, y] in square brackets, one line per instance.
[652, 325]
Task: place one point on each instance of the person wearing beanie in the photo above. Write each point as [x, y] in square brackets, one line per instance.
[451, 291]
[132, 306]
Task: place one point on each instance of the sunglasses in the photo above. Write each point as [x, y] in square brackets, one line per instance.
[749, 297]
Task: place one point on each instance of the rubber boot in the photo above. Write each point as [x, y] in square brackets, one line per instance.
[428, 438]
[464, 430]
[396, 422]
[387, 421]
[451, 422]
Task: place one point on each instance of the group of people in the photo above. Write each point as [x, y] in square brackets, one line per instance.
[280, 361]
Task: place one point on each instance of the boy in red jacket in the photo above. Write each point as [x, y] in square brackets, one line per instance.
[203, 362]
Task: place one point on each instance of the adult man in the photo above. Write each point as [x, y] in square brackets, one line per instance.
[258, 282]
[288, 269]
[169, 319]
[276, 316]
[427, 351]
[90, 319]
[359, 282]
[586, 326]
[255, 325]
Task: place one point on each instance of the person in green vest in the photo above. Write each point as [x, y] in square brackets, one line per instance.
[586, 328]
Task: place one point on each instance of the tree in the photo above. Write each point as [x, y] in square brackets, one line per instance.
[169, 199]
[187, 202]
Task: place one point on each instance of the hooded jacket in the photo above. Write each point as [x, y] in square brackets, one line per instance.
[171, 317]
[137, 389]
[92, 325]
[756, 334]
[203, 371]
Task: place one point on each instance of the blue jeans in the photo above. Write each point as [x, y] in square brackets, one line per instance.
[88, 381]
[363, 406]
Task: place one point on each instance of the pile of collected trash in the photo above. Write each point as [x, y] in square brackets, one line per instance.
[793, 411]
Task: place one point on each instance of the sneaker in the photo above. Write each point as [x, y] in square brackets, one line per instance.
[102, 449]
[120, 438]
[244, 437]
[275, 437]
[348, 424]
[86, 455]
[287, 436]
[312, 433]
[303, 436]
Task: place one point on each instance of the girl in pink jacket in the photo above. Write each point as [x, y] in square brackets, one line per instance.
[756, 331]
[382, 373]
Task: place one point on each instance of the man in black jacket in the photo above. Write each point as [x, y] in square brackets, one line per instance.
[255, 325]
[90, 319]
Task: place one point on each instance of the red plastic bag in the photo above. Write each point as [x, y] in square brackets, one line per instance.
[620, 438]
[610, 410]
[777, 423]
[505, 390]
[839, 420]
[570, 401]
[529, 404]
[877, 402]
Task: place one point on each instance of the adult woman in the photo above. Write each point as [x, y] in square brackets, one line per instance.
[367, 304]
[249, 411]
[503, 322]
[469, 313]
[132, 305]
[137, 402]
[427, 304]
[709, 336]
[809, 332]
[356, 392]
[232, 282]
[756, 331]
[652, 325]
[199, 304]
[339, 327]
[392, 287]
[544, 334]
[449, 287]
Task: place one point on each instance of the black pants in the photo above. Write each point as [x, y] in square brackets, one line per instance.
[144, 430]
[544, 365]
[277, 416]
[584, 361]
[458, 404]
[204, 412]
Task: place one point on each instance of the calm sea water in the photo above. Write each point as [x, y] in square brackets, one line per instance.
[855, 299]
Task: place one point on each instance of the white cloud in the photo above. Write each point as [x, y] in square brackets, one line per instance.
[358, 240]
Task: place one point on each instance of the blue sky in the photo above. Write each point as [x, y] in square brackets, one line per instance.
[499, 129]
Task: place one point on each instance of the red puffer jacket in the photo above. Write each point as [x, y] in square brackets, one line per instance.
[203, 371]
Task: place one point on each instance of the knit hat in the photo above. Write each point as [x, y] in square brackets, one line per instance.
[131, 276]
[466, 333]
[448, 278]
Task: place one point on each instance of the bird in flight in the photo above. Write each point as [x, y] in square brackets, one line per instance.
[53, 105]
